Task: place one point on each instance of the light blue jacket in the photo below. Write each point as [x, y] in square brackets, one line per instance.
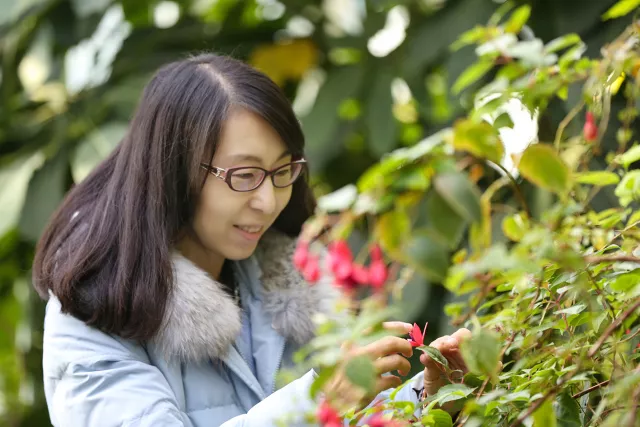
[192, 374]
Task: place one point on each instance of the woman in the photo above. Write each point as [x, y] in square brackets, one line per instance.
[172, 301]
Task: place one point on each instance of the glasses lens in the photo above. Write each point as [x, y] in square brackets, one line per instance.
[246, 179]
[287, 174]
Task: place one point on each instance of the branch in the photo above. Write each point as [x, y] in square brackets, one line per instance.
[613, 327]
[543, 399]
[590, 389]
[517, 189]
[593, 259]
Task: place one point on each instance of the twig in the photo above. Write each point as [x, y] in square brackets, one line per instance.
[590, 389]
[565, 122]
[517, 189]
[593, 259]
[613, 327]
[600, 293]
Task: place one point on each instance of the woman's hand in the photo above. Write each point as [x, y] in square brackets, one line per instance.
[387, 354]
[449, 346]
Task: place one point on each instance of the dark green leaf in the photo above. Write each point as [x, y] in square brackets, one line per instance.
[379, 116]
[443, 220]
[434, 354]
[460, 193]
[541, 165]
[428, 256]
[361, 372]
[567, 411]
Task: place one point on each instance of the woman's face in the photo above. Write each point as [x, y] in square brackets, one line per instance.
[228, 224]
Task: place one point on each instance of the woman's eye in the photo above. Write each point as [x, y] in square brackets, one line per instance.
[283, 172]
[247, 176]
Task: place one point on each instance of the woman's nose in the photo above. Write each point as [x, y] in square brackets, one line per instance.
[264, 198]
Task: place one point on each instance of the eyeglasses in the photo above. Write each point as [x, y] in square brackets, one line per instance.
[249, 178]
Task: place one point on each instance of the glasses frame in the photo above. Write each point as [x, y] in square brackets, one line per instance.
[226, 174]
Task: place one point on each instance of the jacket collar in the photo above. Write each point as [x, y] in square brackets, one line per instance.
[202, 321]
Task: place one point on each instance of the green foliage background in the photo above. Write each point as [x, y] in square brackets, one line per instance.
[52, 132]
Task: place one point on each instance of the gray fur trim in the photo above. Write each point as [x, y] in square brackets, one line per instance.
[202, 321]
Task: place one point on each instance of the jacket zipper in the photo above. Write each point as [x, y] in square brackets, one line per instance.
[275, 374]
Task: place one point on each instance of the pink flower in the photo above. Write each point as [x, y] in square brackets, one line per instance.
[376, 253]
[360, 274]
[311, 271]
[590, 130]
[378, 274]
[416, 336]
[301, 255]
[327, 416]
[377, 420]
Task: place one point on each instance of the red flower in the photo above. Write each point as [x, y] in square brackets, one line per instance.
[377, 420]
[376, 253]
[360, 274]
[327, 416]
[590, 130]
[416, 336]
[311, 271]
[378, 274]
[301, 255]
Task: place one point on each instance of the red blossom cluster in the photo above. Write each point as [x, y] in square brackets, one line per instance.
[347, 273]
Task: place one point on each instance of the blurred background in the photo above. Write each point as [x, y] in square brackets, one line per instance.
[365, 77]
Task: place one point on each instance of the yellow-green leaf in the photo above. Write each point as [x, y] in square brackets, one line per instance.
[622, 8]
[545, 416]
[472, 74]
[479, 139]
[598, 178]
[541, 165]
[515, 226]
[518, 18]
[632, 155]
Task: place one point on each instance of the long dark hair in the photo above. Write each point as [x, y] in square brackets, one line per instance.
[106, 254]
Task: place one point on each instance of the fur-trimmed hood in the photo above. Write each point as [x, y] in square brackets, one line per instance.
[202, 320]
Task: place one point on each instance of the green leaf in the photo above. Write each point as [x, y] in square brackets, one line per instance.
[541, 165]
[632, 155]
[597, 178]
[437, 418]
[626, 281]
[434, 354]
[629, 188]
[14, 182]
[443, 220]
[379, 118]
[428, 256]
[563, 42]
[414, 178]
[472, 75]
[460, 193]
[622, 8]
[567, 411]
[518, 18]
[578, 308]
[323, 376]
[46, 190]
[392, 229]
[481, 352]
[503, 121]
[544, 416]
[361, 372]
[480, 139]
[451, 392]
[516, 226]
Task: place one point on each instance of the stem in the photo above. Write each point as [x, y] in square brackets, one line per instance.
[517, 189]
[565, 122]
[601, 293]
[593, 259]
[590, 389]
[613, 327]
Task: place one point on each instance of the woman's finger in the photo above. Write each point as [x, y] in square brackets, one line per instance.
[395, 362]
[397, 327]
[386, 346]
